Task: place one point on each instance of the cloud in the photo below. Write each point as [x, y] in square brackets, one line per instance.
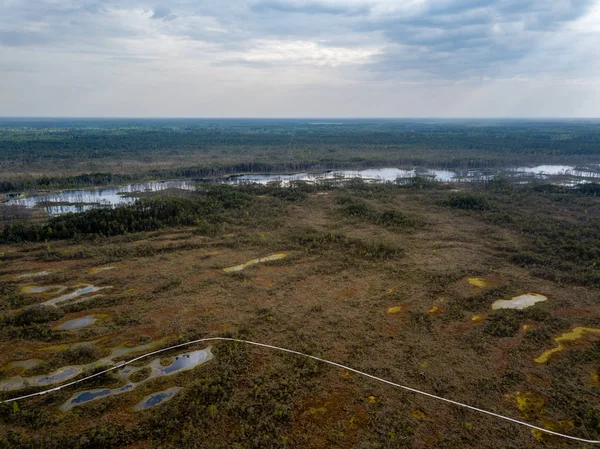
[20, 38]
[308, 8]
[439, 38]
[453, 39]
[364, 43]
[272, 52]
[163, 13]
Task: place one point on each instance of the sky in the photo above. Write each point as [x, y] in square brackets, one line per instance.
[300, 58]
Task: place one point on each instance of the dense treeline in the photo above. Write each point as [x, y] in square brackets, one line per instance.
[65, 182]
[144, 215]
[208, 208]
[147, 214]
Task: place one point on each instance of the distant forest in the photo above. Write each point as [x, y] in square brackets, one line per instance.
[53, 153]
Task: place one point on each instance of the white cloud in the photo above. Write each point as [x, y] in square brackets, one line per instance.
[301, 52]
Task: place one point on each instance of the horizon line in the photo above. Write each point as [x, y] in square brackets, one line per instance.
[58, 117]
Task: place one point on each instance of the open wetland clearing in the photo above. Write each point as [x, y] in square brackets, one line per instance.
[422, 284]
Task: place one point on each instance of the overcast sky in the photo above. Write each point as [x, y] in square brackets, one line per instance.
[300, 58]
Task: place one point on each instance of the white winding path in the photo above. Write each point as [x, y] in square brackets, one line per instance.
[439, 398]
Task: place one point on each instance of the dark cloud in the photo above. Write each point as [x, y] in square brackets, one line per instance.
[455, 39]
[163, 13]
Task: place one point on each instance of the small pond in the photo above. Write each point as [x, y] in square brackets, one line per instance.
[56, 377]
[183, 362]
[78, 323]
[82, 290]
[155, 399]
[91, 395]
[69, 372]
[35, 289]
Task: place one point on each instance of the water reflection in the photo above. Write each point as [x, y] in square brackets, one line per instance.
[545, 171]
[78, 323]
[155, 399]
[60, 375]
[182, 362]
[92, 395]
[393, 174]
[35, 289]
[83, 290]
[69, 372]
[81, 200]
[87, 199]
[375, 174]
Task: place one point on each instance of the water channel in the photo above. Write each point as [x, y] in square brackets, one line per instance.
[84, 199]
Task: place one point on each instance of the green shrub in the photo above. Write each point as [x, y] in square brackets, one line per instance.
[390, 218]
[467, 201]
[10, 298]
[591, 189]
[33, 315]
[503, 323]
[288, 194]
[318, 242]
[419, 183]
[396, 219]
[358, 210]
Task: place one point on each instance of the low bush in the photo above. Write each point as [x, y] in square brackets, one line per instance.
[467, 201]
[319, 242]
[503, 323]
[10, 298]
[33, 315]
[390, 218]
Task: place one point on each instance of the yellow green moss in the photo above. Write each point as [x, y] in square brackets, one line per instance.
[418, 414]
[478, 282]
[245, 265]
[573, 335]
[529, 403]
[564, 426]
